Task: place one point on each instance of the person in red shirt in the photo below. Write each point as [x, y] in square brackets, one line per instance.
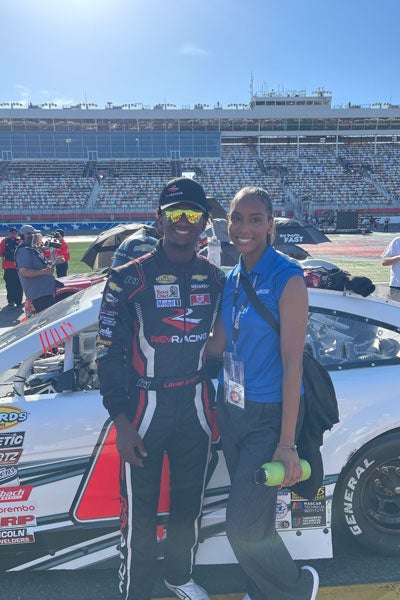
[10, 275]
[63, 253]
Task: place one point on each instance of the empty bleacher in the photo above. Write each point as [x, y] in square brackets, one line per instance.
[348, 176]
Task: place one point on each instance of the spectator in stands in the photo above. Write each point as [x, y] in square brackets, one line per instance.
[62, 254]
[8, 245]
[391, 258]
[34, 269]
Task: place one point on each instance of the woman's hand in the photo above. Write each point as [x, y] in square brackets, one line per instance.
[291, 460]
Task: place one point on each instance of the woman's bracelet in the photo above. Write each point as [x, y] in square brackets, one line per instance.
[287, 447]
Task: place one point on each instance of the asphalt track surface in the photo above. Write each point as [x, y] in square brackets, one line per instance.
[352, 574]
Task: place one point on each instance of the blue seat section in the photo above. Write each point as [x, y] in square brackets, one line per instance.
[94, 145]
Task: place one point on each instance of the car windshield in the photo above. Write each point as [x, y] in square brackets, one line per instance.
[53, 313]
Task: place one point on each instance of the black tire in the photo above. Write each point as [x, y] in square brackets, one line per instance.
[367, 499]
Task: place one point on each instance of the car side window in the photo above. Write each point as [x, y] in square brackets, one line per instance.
[48, 373]
[340, 341]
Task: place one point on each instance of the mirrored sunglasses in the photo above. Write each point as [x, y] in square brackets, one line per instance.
[192, 216]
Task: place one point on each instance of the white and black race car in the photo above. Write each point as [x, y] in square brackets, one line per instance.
[59, 500]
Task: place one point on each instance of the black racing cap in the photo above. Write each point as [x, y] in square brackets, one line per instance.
[183, 190]
[13, 230]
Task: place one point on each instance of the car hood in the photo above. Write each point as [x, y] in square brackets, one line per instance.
[50, 327]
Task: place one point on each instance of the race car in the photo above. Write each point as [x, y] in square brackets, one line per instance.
[59, 498]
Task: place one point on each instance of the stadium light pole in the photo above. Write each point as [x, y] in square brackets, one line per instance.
[68, 142]
[11, 104]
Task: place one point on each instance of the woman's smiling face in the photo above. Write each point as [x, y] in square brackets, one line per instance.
[250, 221]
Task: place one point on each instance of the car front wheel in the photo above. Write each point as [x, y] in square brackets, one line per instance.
[367, 500]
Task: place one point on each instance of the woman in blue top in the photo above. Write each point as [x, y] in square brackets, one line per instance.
[259, 397]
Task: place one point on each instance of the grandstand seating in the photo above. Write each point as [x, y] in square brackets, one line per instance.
[361, 176]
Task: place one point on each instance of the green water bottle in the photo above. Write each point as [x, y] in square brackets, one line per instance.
[273, 473]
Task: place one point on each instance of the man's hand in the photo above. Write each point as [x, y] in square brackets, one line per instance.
[129, 443]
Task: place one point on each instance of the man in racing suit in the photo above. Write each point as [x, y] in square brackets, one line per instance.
[155, 318]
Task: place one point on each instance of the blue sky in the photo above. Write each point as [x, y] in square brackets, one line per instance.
[184, 52]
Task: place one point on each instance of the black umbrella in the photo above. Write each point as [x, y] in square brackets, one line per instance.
[292, 231]
[100, 252]
[217, 210]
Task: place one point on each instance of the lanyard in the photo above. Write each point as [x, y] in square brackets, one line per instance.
[236, 316]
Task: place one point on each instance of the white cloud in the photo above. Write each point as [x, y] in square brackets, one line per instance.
[192, 50]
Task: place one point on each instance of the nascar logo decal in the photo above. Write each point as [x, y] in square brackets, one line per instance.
[11, 416]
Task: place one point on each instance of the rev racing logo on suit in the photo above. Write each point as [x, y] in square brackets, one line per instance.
[182, 320]
[11, 416]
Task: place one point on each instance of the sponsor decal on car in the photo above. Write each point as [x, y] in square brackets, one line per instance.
[8, 474]
[15, 493]
[308, 513]
[166, 279]
[14, 439]
[14, 521]
[11, 416]
[282, 509]
[16, 536]
[10, 456]
[20, 508]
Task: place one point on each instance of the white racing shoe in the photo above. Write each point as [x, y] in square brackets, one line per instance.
[188, 591]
